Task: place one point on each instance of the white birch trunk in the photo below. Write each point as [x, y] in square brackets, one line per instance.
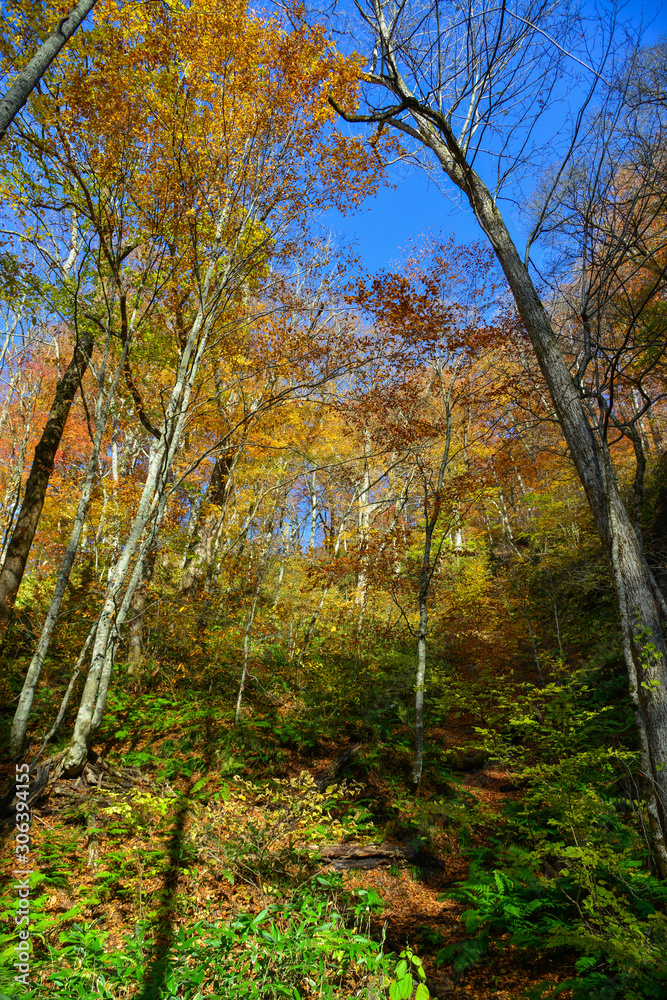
[151, 506]
[313, 513]
[365, 513]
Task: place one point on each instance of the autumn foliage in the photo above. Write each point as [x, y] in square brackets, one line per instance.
[296, 507]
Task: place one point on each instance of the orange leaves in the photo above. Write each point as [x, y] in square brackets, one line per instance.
[200, 104]
[444, 295]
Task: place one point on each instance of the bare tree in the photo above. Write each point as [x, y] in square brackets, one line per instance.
[468, 83]
[606, 220]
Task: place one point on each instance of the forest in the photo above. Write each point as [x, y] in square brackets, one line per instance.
[333, 599]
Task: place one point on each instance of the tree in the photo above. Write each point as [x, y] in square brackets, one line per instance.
[238, 99]
[19, 92]
[433, 314]
[103, 402]
[18, 548]
[469, 85]
[606, 222]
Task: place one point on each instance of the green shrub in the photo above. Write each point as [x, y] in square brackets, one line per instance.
[313, 943]
[581, 877]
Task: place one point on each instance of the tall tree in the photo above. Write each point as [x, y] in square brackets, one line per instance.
[469, 84]
[103, 402]
[422, 397]
[238, 101]
[25, 527]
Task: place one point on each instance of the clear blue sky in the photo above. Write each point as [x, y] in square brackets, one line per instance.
[384, 225]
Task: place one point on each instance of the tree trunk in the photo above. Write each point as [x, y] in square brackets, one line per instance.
[106, 638]
[19, 546]
[152, 506]
[25, 82]
[112, 616]
[206, 524]
[20, 723]
[246, 642]
[13, 504]
[366, 509]
[425, 577]
[285, 532]
[136, 629]
[313, 513]
[102, 409]
[418, 763]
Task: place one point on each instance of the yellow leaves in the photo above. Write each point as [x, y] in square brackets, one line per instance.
[189, 107]
[297, 807]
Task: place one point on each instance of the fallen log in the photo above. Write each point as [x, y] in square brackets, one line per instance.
[35, 789]
[344, 856]
[365, 851]
[333, 771]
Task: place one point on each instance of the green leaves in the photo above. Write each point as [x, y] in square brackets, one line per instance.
[402, 988]
[409, 967]
[304, 939]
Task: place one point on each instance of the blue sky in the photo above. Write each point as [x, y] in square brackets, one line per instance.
[384, 226]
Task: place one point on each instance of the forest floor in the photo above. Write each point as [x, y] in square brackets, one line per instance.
[127, 844]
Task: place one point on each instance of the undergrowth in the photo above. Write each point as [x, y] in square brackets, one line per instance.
[211, 872]
[569, 866]
[314, 942]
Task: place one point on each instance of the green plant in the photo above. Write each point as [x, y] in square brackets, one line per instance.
[579, 878]
[409, 967]
[313, 940]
